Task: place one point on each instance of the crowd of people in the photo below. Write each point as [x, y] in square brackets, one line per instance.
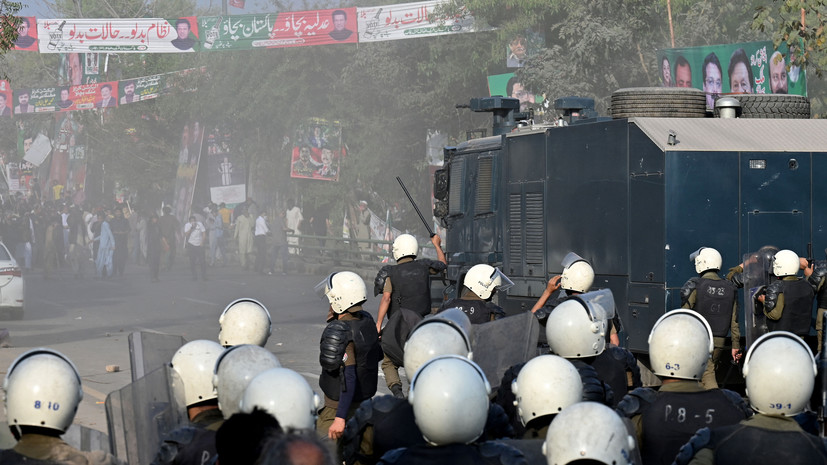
[579, 399]
[101, 241]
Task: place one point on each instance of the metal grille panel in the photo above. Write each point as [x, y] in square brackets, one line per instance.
[455, 200]
[534, 234]
[485, 186]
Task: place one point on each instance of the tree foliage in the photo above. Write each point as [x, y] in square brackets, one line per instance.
[386, 95]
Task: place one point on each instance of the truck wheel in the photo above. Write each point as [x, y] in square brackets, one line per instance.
[773, 106]
[664, 102]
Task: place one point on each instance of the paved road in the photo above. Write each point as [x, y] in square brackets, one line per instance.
[89, 320]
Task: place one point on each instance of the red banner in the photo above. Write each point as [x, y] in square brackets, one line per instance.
[317, 27]
[26, 34]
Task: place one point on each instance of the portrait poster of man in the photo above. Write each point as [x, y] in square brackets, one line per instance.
[186, 33]
[227, 173]
[6, 99]
[521, 47]
[509, 85]
[35, 100]
[26, 34]
[751, 68]
[188, 157]
[107, 95]
[317, 150]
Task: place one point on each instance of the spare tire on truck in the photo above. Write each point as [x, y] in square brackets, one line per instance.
[773, 106]
[662, 102]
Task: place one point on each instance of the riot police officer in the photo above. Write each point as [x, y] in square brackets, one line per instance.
[589, 432]
[577, 277]
[285, 395]
[680, 345]
[772, 436]
[716, 300]
[234, 370]
[545, 386]
[350, 352]
[788, 302]
[384, 423]
[479, 286]
[244, 321]
[449, 395]
[42, 394]
[192, 367]
[405, 285]
[577, 328]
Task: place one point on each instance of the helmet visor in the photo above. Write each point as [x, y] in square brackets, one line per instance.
[570, 259]
[324, 287]
[505, 283]
[600, 304]
[695, 254]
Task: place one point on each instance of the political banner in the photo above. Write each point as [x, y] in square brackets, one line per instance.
[79, 68]
[26, 34]
[5, 99]
[140, 89]
[408, 20]
[317, 150]
[86, 96]
[226, 170]
[315, 27]
[236, 32]
[188, 156]
[750, 68]
[118, 35]
[36, 100]
[68, 161]
[508, 85]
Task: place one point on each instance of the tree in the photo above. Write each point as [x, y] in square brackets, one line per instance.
[8, 29]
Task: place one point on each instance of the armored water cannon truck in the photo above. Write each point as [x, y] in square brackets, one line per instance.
[634, 195]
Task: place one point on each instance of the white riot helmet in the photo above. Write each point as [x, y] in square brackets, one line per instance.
[192, 371]
[785, 263]
[449, 395]
[578, 275]
[589, 431]
[343, 290]
[484, 280]
[285, 395]
[42, 388]
[456, 316]
[433, 337]
[234, 370]
[244, 321]
[405, 246]
[779, 371]
[577, 327]
[545, 386]
[680, 345]
[705, 259]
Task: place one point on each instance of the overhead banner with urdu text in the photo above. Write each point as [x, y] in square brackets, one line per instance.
[117, 35]
[288, 29]
[409, 20]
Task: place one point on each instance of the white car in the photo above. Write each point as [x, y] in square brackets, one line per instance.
[12, 287]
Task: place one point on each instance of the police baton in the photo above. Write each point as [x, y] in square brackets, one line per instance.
[430, 231]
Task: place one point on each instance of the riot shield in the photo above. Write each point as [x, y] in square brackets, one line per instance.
[150, 351]
[756, 278]
[502, 343]
[139, 416]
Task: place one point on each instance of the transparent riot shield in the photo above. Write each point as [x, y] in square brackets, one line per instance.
[502, 343]
[139, 416]
[150, 351]
[756, 278]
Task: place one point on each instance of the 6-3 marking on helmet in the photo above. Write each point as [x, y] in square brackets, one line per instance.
[673, 366]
